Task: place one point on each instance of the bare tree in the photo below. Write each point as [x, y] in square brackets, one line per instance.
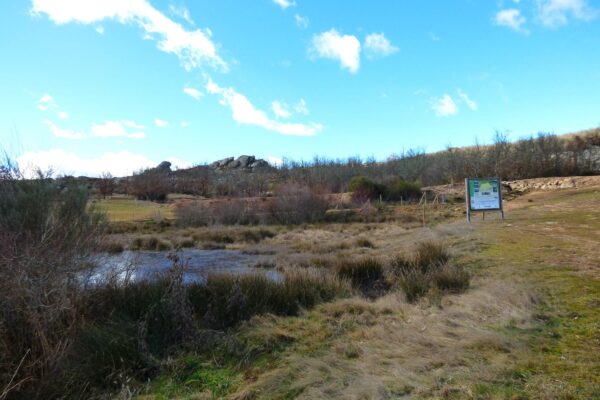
[106, 184]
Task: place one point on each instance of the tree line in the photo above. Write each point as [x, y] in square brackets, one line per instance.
[543, 155]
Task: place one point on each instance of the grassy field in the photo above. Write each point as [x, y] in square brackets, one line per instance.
[122, 208]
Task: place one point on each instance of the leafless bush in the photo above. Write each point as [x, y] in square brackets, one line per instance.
[46, 237]
[193, 213]
[222, 212]
[296, 203]
[234, 212]
[106, 184]
[151, 184]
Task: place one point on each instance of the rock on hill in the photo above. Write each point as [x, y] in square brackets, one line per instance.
[240, 163]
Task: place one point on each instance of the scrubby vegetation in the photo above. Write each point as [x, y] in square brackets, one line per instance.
[399, 176]
[62, 336]
[292, 204]
[428, 268]
[46, 236]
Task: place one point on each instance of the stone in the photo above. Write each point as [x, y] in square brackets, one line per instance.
[164, 166]
[259, 164]
[245, 161]
[221, 163]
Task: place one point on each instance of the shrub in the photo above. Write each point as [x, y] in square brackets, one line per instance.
[47, 233]
[193, 214]
[402, 189]
[296, 203]
[363, 189]
[230, 212]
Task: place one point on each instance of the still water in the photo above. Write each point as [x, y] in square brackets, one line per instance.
[144, 265]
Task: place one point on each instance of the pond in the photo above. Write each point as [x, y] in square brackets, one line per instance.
[148, 265]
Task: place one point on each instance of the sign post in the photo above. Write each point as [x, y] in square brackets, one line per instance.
[483, 194]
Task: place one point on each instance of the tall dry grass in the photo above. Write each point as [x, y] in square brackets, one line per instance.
[429, 267]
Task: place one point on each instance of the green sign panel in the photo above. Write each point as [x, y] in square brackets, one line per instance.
[484, 194]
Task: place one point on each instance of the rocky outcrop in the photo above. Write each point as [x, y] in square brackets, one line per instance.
[246, 163]
[164, 166]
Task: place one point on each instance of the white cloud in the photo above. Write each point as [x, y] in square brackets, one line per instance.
[555, 13]
[284, 3]
[281, 110]
[121, 163]
[133, 125]
[118, 129]
[511, 18]
[277, 161]
[46, 102]
[195, 93]
[63, 133]
[193, 48]
[377, 45]
[182, 12]
[444, 106]
[301, 22]
[160, 123]
[284, 110]
[301, 107]
[244, 112]
[344, 48]
[184, 124]
[63, 115]
[100, 29]
[467, 100]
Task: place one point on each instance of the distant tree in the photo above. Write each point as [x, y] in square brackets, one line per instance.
[106, 184]
[150, 184]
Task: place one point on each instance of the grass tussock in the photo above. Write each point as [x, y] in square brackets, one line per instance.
[226, 299]
[186, 244]
[233, 235]
[364, 242]
[150, 244]
[428, 270]
[365, 274]
[111, 247]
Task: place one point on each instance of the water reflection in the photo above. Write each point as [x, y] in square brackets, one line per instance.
[149, 265]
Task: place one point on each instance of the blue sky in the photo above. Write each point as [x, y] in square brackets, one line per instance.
[116, 85]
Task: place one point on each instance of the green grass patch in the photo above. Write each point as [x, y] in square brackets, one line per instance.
[125, 209]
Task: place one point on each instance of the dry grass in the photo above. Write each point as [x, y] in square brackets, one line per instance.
[386, 349]
[526, 328]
